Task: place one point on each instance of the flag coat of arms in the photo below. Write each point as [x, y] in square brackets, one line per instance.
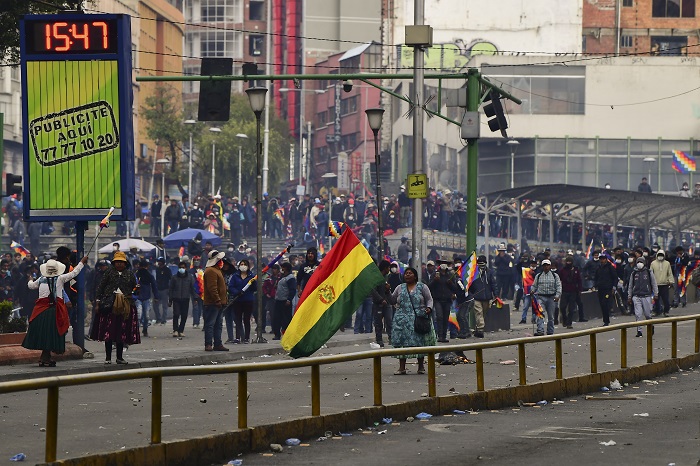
[337, 287]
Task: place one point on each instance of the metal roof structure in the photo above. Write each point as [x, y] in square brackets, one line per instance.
[608, 206]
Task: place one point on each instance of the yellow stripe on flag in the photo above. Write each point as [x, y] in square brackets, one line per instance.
[315, 305]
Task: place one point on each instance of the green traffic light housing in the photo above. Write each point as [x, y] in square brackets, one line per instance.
[494, 111]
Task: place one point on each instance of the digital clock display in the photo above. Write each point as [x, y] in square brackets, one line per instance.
[86, 36]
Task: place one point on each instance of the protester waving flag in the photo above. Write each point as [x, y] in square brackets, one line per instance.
[469, 270]
[589, 250]
[18, 248]
[337, 287]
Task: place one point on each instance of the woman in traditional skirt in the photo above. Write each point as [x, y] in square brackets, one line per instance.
[49, 323]
[413, 298]
[114, 325]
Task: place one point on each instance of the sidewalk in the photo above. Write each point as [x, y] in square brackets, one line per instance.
[160, 349]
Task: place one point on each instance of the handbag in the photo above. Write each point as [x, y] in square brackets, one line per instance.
[421, 324]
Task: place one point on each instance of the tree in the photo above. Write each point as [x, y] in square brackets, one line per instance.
[11, 10]
[164, 118]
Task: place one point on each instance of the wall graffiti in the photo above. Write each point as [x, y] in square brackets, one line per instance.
[449, 56]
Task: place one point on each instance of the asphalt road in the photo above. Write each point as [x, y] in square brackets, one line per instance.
[660, 426]
[112, 416]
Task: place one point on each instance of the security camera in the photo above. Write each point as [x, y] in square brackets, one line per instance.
[297, 83]
[347, 85]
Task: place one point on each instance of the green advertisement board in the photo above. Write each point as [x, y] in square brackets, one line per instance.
[78, 129]
[73, 114]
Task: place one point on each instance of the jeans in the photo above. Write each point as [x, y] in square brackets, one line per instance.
[363, 317]
[281, 318]
[527, 302]
[196, 311]
[604, 297]
[579, 305]
[143, 308]
[213, 324]
[385, 313]
[161, 306]
[241, 314]
[663, 296]
[180, 311]
[547, 304]
[463, 318]
[567, 307]
[228, 318]
[442, 315]
[155, 226]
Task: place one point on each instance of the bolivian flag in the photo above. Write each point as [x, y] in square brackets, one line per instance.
[340, 283]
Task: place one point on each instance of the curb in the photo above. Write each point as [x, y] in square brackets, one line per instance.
[193, 360]
[11, 355]
[211, 449]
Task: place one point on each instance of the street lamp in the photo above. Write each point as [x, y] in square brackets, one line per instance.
[213, 160]
[242, 136]
[189, 179]
[649, 163]
[162, 162]
[374, 117]
[256, 96]
[513, 144]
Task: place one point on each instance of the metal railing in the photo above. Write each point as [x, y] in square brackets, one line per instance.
[52, 384]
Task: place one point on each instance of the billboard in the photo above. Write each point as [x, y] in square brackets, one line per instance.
[78, 132]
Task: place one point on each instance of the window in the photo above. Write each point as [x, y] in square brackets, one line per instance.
[322, 118]
[627, 2]
[544, 90]
[213, 11]
[673, 9]
[256, 45]
[669, 45]
[348, 105]
[256, 11]
[626, 42]
[220, 44]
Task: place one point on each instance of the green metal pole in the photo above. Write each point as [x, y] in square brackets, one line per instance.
[473, 98]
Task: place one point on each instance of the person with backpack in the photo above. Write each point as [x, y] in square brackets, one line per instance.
[641, 290]
[546, 287]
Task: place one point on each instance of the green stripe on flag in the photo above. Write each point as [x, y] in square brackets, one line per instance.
[336, 315]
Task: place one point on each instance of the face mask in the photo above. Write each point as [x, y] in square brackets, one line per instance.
[660, 258]
[640, 265]
[243, 268]
[182, 271]
[645, 254]
[230, 249]
[115, 249]
[595, 259]
[630, 260]
[618, 261]
[391, 216]
[394, 270]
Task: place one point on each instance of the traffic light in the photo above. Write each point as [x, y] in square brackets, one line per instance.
[494, 108]
[13, 184]
[215, 96]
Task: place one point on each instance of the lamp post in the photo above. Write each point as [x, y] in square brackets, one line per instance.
[649, 163]
[189, 179]
[162, 162]
[242, 136]
[256, 96]
[513, 144]
[213, 161]
[374, 118]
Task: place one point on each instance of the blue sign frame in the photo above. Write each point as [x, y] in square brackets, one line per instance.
[124, 137]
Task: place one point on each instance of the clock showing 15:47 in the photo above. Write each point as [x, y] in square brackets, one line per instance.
[68, 37]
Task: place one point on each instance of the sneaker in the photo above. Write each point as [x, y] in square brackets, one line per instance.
[539, 334]
[121, 361]
[443, 340]
[380, 343]
[180, 334]
[583, 320]
[478, 334]
[522, 322]
[569, 326]
[639, 334]
[175, 333]
[229, 341]
[666, 313]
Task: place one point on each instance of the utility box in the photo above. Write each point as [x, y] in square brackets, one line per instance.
[470, 126]
[419, 36]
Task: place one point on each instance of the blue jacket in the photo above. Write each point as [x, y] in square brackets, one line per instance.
[148, 285]
[236, 285]
[483, 286]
